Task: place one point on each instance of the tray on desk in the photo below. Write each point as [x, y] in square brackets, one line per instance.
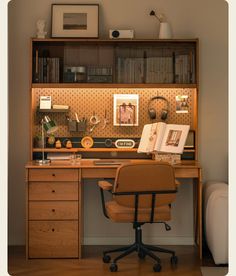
[108, 162]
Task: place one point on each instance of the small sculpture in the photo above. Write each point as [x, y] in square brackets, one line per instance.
[40, 28]
[68, 144]
[58, 144]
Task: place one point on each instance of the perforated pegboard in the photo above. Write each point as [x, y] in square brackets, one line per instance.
[86, 101]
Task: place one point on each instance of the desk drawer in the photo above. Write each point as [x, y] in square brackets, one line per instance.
[53, 239]
[53, 210]
[99, 173]
[53, 175]
[53, 190]
[186, 173]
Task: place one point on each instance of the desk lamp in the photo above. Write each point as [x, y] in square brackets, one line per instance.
[49, 127]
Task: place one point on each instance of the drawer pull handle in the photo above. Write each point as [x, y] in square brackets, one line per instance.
[53, 191]
[53, 229]
[53, 210]
[53, 174]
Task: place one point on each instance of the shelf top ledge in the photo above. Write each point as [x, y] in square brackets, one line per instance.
[107, 40]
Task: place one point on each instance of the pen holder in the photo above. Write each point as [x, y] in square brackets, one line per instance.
[72, 126]
[81, 126]
[75, 126]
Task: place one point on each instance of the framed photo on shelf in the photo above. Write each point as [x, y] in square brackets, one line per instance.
[125, 109]
[75, 20]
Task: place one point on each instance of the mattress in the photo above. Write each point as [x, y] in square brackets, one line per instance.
[216, 220]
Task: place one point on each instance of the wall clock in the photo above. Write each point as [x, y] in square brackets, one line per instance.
[87, 142]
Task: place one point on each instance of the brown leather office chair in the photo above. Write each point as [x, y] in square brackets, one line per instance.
[142, 193]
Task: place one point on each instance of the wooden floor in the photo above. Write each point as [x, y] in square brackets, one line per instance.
[92, 264]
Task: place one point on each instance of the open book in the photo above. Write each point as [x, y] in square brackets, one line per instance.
[162, 137]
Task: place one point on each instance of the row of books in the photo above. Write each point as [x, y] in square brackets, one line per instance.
[184, 69]
[47, 70]
[99, 70]
[178, 68]
[159, 70]
[130, 70]
[164, 69]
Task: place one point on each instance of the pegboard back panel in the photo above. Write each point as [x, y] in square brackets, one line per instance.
[89, 101]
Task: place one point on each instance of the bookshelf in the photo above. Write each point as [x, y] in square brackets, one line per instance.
[114, 62]
[64, 65]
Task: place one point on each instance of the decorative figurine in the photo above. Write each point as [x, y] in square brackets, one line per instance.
[40, 28]
[58, 144]
[68, 144]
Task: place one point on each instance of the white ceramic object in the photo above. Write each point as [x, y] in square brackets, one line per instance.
[41, 23]
[165, 31]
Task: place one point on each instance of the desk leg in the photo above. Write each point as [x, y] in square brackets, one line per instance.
[81, 224]
[198, 212]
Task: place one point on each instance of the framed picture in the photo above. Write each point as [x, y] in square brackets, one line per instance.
[182, 105]
[75, 20]
[126, 109]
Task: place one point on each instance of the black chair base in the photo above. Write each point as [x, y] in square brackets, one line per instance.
[142, 249]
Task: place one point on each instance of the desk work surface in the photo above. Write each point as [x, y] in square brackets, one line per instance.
[106, 163]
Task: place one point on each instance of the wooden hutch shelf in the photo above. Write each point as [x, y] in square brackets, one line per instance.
[113, 85]
[85, 150]
[69, 65]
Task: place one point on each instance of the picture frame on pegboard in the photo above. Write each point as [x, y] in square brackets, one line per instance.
[126, 110]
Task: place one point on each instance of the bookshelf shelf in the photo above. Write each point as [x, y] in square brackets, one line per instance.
[113, 85]
[96, 62]
[53, 110]
[85, 150]
[93, 150]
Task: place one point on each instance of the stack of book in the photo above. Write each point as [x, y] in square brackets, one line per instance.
[184, 68]
[130, 70]
[99, 73]
[159, 69]
[47, 70]
[173, 68]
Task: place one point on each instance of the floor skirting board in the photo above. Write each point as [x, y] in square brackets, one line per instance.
[128, 240]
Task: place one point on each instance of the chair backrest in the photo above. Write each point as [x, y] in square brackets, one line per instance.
[143, 177]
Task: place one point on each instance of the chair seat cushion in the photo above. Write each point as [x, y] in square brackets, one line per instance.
[120, 213]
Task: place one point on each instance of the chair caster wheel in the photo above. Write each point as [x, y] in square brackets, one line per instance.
[141, 255]
[113, 267]
[157, 268]
[174, 260]
[106, 259]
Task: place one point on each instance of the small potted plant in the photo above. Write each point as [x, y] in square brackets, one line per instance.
[38, 141]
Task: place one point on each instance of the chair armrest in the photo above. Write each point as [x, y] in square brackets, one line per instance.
[105, 185]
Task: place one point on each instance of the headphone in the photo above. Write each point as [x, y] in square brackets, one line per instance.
[164, 112]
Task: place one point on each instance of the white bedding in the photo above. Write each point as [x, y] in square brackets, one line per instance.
[216, 220]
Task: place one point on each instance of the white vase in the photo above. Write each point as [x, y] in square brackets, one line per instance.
[165, 31]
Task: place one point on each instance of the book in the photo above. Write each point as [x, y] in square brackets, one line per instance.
[59, 155]
[162, 137]
[45, 102]
[60, 106]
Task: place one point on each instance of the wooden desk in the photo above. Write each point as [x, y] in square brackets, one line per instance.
[62, 229]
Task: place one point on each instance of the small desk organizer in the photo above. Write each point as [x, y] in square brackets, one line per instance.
[74, 126]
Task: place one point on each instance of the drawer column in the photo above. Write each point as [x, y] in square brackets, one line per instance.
[53, 213]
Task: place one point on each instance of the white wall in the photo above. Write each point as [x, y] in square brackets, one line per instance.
[205, 19]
